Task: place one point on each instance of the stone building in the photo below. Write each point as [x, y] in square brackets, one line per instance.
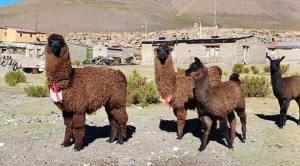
[289, 49]
[215, 49]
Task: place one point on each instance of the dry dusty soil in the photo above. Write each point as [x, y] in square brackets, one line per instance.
[32, 129]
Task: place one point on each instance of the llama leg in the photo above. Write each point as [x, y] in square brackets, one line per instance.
[121, 117]
[181, 116]
[207, 123]
[113, 126]
[225, 131]
[68, 132]
[243, 116]
[283, 111]
[298, 102]
[79, 130]
[232, 122]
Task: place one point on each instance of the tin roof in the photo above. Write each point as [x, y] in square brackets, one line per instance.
[284, 44]
[22, 29]
[212, 39]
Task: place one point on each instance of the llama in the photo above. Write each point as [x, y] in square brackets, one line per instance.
[175, 88]
[284, 89]
[218, 102]
[84, 90]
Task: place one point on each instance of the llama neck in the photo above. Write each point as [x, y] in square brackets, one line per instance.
[203, 91]
[165, 76]
[58, 69]
[277, 82]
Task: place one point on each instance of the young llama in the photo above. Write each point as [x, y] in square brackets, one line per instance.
[218, 102]
[175, 88]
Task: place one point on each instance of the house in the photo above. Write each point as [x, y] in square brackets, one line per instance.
[14, 40]
[11, 34]
[214, 49]
[289, 49]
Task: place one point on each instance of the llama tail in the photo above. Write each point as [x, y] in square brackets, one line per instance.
[235, 77]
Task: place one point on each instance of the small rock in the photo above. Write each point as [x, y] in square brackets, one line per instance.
[175, 149]
[1, 144]
[138, 107]
[278, 145]
[149, 163]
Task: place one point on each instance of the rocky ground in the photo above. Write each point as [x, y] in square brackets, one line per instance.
[32, 129]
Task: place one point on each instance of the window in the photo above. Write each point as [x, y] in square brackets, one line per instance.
[5, 33]
[212, 51]
[273, 52]
[31, 35]
[21, 34]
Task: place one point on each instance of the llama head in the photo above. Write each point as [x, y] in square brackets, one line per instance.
[56, 42]
[163, 51]
[275, 64]
[196, 69]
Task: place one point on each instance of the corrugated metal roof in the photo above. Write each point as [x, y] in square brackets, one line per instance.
[284, 44]
[22, 29]
[221, 39]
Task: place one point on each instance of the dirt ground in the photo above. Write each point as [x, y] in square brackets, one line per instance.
[32, 129]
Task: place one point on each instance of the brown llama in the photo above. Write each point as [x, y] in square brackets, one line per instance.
[284, 89]
[175, 88]
[218, 102]
[84, 90]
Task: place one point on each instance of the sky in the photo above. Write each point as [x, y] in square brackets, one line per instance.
[8, 2]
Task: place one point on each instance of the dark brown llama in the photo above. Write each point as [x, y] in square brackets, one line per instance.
[175, 88]
[284, 89]
[218, 102]
[84, 90]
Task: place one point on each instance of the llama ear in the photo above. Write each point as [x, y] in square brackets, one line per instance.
[197, 60]
[270, 59]
[282, 58]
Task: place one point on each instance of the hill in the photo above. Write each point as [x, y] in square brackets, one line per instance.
[130, 15]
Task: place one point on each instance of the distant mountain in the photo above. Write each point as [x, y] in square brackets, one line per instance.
[132, 15]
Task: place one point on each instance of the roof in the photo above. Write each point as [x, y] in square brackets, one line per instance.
[284, 44]
[212, 39]
[22, 29]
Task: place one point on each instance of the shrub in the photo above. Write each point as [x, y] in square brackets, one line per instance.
[36, 91]
[238, 68]
[12, 78]
[254, 69]
[256, 86]
[140, 91]
[246, 70]
[267, 69]
[295, 74]
[76, 63]
[85, 61]
[284, 68]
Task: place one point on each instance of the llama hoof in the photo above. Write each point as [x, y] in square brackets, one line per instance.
[244, 140]
[232, 148]
[179, 137]
[201, 148]
[120, 141]
[64, 145]
[76, 149]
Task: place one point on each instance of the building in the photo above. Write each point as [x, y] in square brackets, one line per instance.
[10, 34]
[215, 49]
[289, 49]
[14, 40]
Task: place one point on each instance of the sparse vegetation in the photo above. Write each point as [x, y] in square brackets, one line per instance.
[284, 68]
[36, 91]
[267, 69]
[238, 68]
[140, 91]
[256, 86]
[12, 78]
[254, 69]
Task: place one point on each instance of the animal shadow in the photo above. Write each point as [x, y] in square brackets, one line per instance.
[93, 132]
[276, 118]
[194, 127]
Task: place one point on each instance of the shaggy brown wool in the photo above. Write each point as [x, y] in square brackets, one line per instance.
[85, 90]
[284, 89]
[177, 86]
[218, 102]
